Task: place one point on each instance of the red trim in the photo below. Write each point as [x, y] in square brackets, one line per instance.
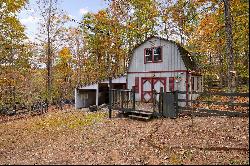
[187, 87]
[158, 71]
[152, 48]
[153, 81]
[171, 84]
[141, 89]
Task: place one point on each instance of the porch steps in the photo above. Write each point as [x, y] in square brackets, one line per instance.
[140, 117]
[139, 114]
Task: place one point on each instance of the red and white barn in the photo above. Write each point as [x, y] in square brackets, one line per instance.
[155, 63]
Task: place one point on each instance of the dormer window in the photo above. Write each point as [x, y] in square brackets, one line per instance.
[153, 55]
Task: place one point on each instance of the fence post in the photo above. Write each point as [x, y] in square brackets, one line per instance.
[133, 93]
[160, 101]
[122, 98]
[127, 99]
[154, 99]
[176, 102]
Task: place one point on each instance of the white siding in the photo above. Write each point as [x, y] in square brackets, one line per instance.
[170, 55]
[172, 62]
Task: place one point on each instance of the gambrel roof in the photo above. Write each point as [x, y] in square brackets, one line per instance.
[189, 62]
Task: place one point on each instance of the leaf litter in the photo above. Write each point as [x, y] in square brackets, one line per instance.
[82, 137]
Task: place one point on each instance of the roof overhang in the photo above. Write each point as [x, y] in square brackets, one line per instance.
[118, 80]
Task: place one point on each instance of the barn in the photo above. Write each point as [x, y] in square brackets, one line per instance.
[156, 62]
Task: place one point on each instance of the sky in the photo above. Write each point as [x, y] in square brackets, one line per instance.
[74, 8]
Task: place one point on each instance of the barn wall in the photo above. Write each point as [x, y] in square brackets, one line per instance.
[84, 99]
[181, 86]
[171, 66]
[170, 54]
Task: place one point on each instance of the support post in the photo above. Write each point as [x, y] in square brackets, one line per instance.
[160, 101]
[122, 97]
[176, 102]
[154, 99]
[133, 92]
[110, 97]
[97, 94]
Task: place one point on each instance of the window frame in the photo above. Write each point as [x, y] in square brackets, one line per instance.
[152, 48]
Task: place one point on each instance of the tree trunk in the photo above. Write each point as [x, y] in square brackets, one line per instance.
[221, 69]
[78, 69]
[49, 64]
[229, 43]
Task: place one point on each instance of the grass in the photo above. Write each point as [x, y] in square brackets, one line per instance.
[68, 120]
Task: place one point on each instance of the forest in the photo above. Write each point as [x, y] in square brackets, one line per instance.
[215, 32]
[37, 72]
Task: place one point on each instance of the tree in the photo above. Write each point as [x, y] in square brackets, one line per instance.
[51, 35]
[63, 73]
[229, 39]
[14, 51]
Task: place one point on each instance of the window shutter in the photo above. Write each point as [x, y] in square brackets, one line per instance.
[136, 84]
[171, 84]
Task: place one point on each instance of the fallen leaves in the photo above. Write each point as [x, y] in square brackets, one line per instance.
[214, 140]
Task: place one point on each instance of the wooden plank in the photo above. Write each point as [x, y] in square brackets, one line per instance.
[141, 112]
[220, 112]
[217, 93]
[200, 109]
[140, 117]
[215, 102]
[213, 112]
[184, 108]
[164, 103]
[133, 93]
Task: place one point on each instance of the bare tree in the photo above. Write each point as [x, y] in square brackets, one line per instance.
[51, 35]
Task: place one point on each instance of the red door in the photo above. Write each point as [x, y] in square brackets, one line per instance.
[150, 83]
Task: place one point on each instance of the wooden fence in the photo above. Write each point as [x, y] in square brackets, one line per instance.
[167, 104]
[230, 107]
[37, 107]
[122, 99]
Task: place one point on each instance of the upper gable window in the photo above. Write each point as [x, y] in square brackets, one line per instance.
[153, 55]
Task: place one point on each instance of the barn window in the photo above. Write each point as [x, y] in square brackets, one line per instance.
[171, 84]
[148, 54]
[153, 55]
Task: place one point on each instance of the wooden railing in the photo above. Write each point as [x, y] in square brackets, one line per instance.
[232, 107]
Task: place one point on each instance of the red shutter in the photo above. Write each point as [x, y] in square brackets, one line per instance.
[171, 84]
[136, 84]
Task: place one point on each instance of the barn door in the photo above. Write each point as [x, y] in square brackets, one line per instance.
[146, 89]
[150, 83]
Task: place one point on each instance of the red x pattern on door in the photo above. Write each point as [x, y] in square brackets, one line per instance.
[150, 83]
